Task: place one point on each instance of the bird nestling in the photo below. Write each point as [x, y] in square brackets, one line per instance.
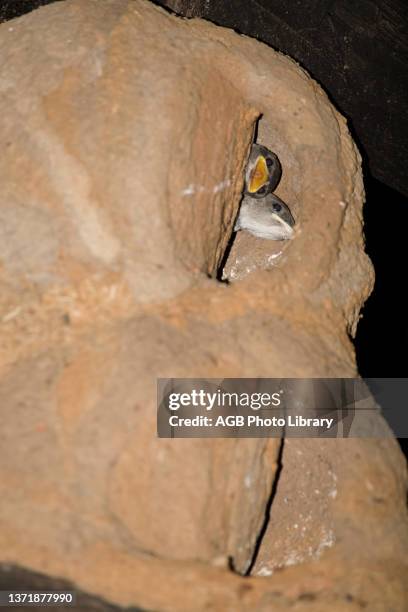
[263, 172]
[262, 213]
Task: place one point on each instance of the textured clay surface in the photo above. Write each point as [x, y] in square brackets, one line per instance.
[125, 131]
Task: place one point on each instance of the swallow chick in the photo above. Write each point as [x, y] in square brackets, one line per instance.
[263, 172]
[262, 213]
[268, 217]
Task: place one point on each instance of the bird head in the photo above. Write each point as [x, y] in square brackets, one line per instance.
[262, 173]
[268, 218]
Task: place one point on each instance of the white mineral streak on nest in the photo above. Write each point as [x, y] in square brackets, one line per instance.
[221, 186]
[191, 189]
[264, 571]
[327, 541]
[333, 490]
[236, 272]
[274, 256]
[293, 559]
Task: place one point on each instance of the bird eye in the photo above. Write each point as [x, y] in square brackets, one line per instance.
[262, 190]
[277, 207]
[269, 162]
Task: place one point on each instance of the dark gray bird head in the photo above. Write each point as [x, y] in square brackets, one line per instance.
[268, 218]
[263, 172]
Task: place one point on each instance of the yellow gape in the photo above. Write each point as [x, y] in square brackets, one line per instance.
[259, 175]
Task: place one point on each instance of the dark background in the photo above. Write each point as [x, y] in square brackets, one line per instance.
[358, 52]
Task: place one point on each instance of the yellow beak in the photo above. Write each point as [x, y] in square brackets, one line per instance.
[259, 175]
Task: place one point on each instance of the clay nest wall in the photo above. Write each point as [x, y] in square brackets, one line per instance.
[125, 132]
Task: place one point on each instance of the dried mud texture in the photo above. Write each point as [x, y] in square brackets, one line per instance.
[125, 131]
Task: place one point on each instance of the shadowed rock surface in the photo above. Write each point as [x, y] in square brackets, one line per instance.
[13, 578]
